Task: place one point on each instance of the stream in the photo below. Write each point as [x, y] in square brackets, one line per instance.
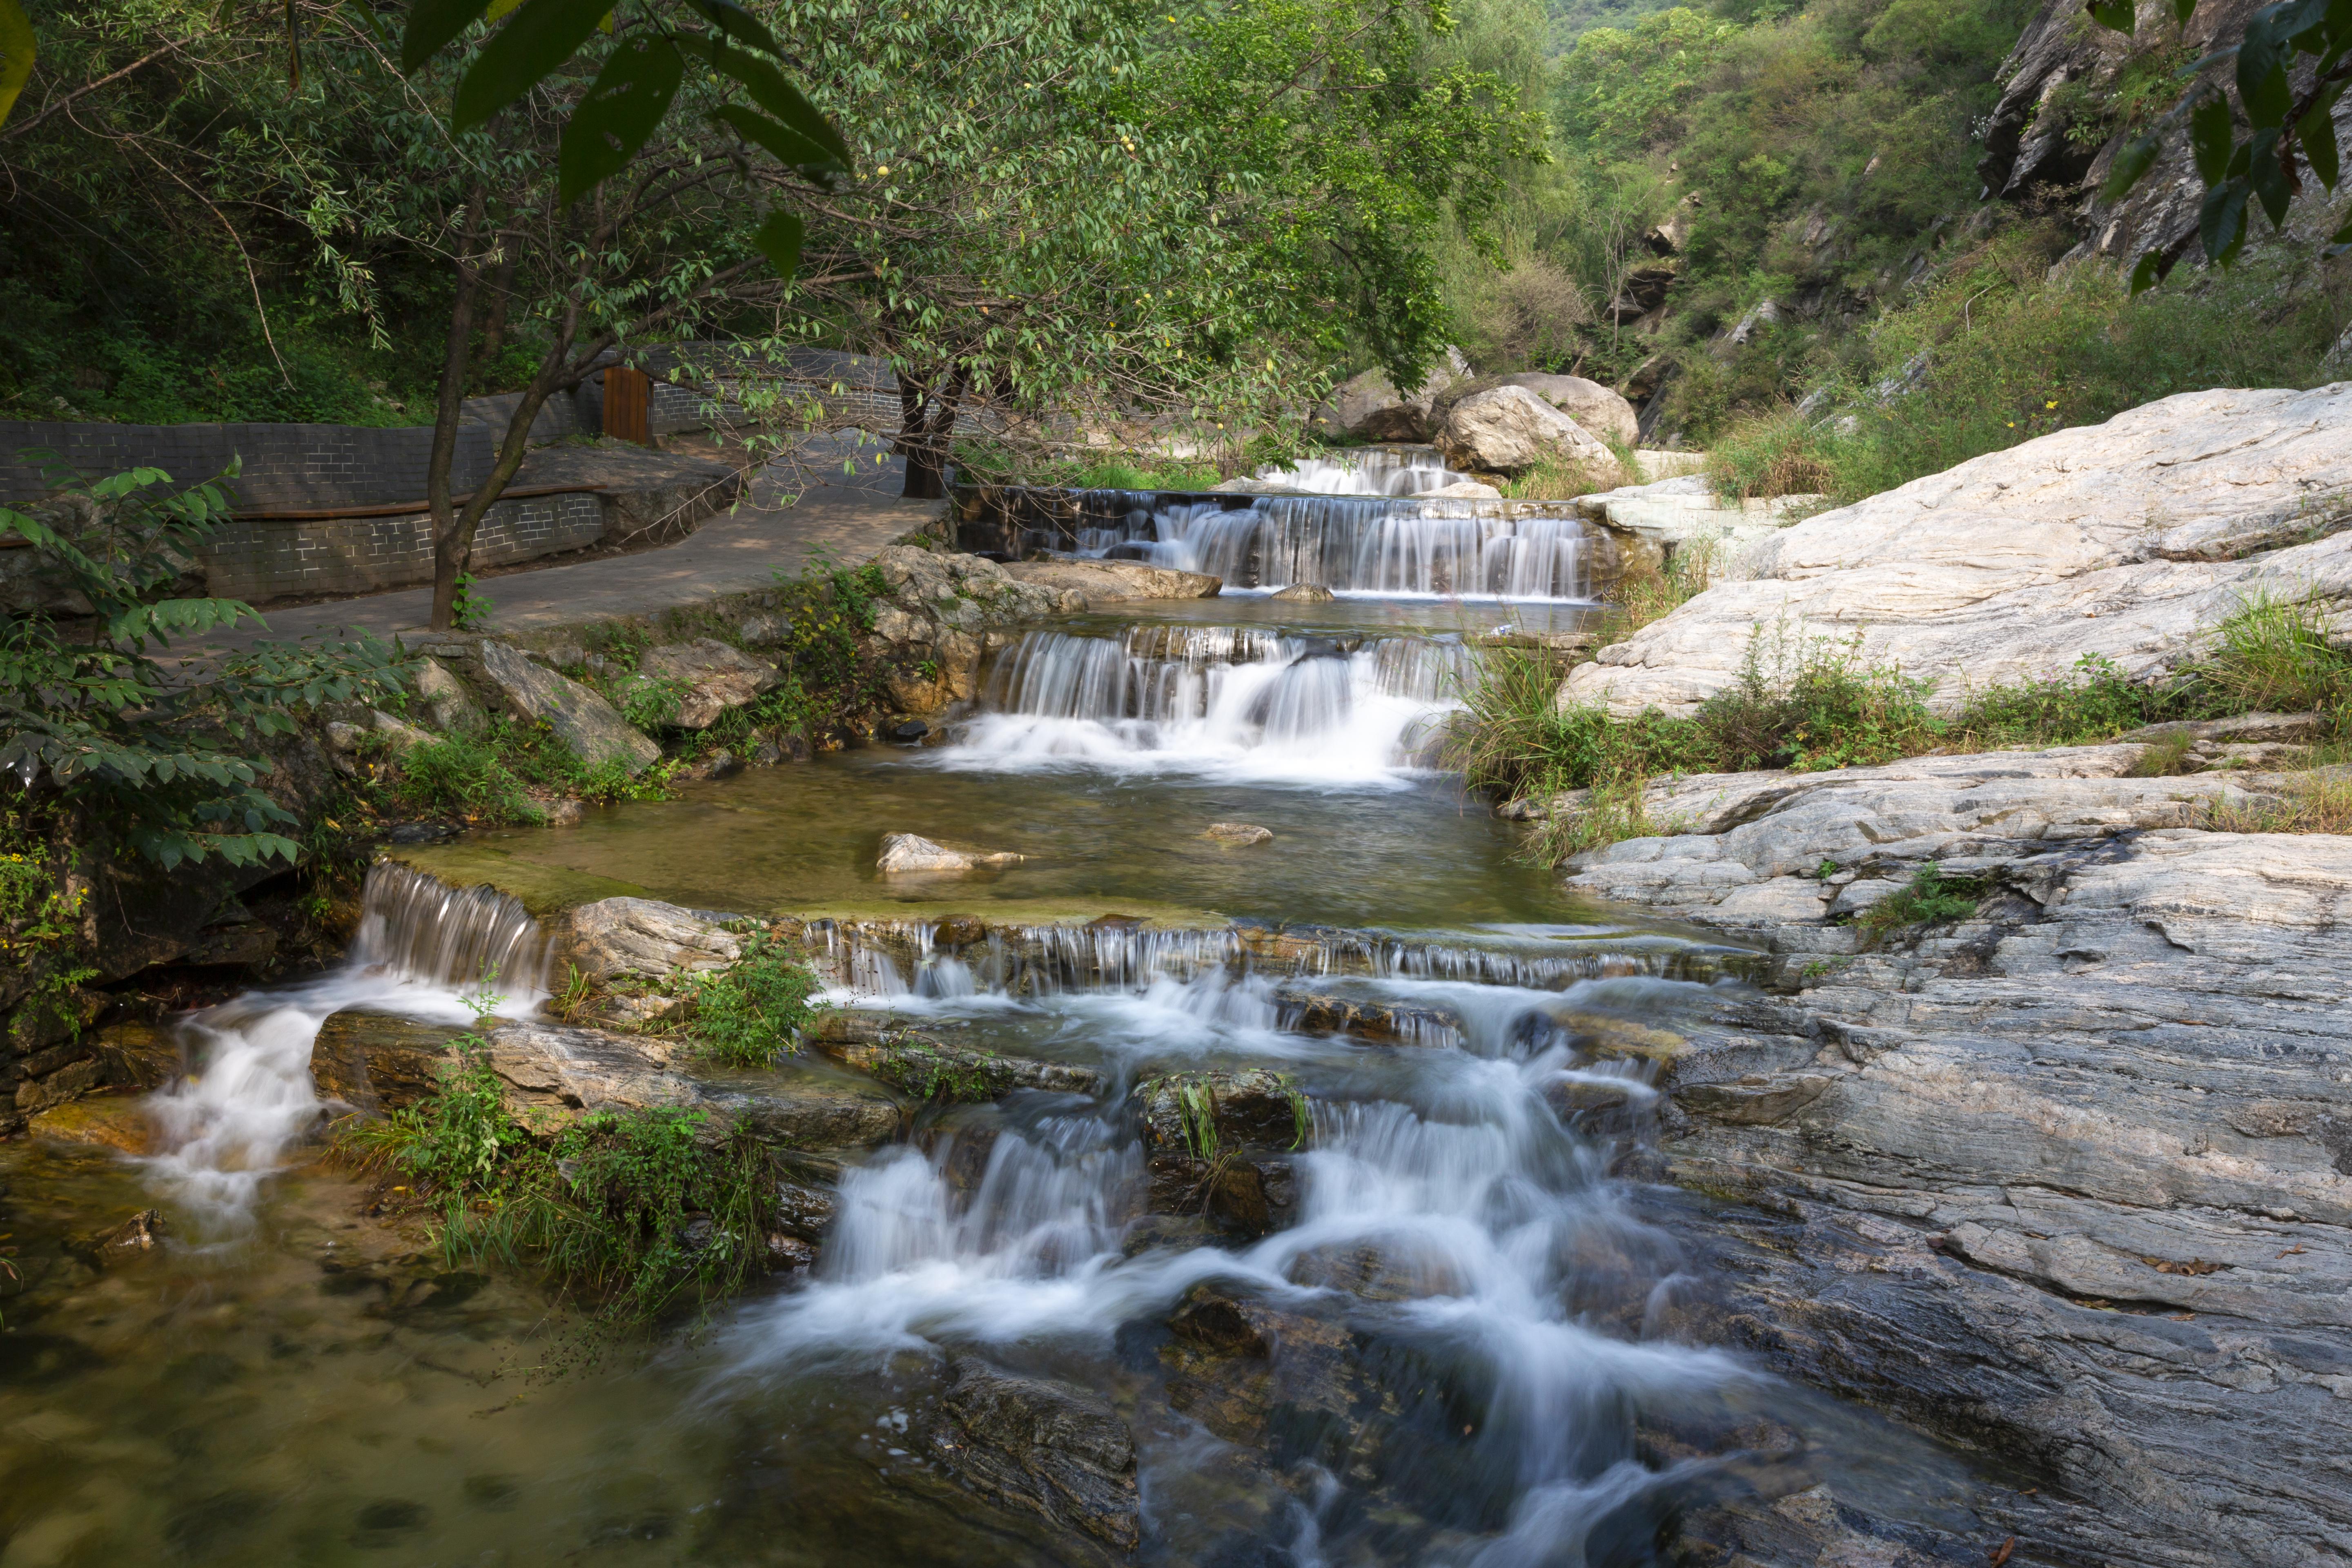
[1494, 1379]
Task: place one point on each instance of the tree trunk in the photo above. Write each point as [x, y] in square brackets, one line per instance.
[927, 419]
[494, 325]
[449, 551]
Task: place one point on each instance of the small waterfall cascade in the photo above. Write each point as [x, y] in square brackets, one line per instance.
[1368, 471]
[1362, 523]
[1462, 1233]
[423, 947]
[1230, 696]
[1361, 544]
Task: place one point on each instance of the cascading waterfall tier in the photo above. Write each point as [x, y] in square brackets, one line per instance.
[423, 948]
[1373, 544]
[1466, 1242]
[1321, 706]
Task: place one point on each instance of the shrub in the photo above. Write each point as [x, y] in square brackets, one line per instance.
[747, 1013]
[499, 775]
[1809, 704]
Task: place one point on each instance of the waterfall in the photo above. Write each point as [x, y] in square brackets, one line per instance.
[1236, 699]
[420, 946]
[1459, 1226]
[1393, 546]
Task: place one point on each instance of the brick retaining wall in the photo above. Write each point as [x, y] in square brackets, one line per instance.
[265, 558]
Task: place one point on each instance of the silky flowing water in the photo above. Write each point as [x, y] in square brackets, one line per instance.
[288, 1380]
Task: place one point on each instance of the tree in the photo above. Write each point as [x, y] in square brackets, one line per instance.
[605, 216]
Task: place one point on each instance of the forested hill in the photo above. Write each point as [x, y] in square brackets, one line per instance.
[1754, 206]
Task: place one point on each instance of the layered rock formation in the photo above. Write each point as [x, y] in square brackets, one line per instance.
[2129, 539]
[2067, 1179]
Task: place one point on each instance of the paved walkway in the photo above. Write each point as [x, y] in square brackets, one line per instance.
[846, 518]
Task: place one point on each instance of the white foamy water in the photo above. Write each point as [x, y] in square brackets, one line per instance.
[1493, 1230]
[421, 947]
[1238, 703]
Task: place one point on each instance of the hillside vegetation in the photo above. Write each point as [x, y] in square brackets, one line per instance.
[1754, 207]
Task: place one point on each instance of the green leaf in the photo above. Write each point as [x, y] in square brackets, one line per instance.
[432, 24]
[538, 37]
[2122, 16]
[779, 240]
[785, 145]
[16, 50]
[2317, 132]
[771, 93]
[2212, 139]
[2268, 177]
[618, 113]
[2222, 221]
[2148, 273]
[2263, 87]
[739, 24]
[2136, 158]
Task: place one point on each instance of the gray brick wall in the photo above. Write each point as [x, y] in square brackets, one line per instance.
[267, 558]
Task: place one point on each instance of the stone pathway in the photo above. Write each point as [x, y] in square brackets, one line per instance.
[848, 517]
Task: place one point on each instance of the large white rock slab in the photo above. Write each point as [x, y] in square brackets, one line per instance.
[2129, 539]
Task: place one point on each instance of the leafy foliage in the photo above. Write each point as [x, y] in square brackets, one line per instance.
[2264, 168]
[91, 718]
[638, 1210]
[748, 1014]
[505, 772]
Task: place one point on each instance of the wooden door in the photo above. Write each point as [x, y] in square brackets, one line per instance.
[627, 394]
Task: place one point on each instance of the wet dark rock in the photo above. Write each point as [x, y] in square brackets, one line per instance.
[1039, 1448]
[1205, 1113]
[805, 1210]
[1321, 1013]
[384, 1524]
[909, 732]
[421, 832]
[378, 1061]
[930, 1069]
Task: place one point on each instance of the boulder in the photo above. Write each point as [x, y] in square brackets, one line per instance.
[1039, 1448]
[1597, 410]
[1506, 430]
[1369, 406]
[642, 939]
[445, 696]
[2130, 540]
[401, 736]
[907, 854]
[1601, 413]
[110, 1121]
[584, 721]
[1307, 593]
[1108, 582]
[715, 678]
[928, 1069]
[1462, 489]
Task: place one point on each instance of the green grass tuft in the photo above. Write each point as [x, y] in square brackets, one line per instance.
[747, 1014]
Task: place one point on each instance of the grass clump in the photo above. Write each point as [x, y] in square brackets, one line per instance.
[1929, 897]
[506, 773]
[750, 1013]
[1560, 478]
[2320, 801]
[1810, 704]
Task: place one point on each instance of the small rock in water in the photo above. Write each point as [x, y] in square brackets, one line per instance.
[1462, 489]
[906, 853]
[1306, 594]
[1239, 833]
[909, 733]
[562, 814]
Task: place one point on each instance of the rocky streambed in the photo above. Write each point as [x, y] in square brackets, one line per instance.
[1226, 1151]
